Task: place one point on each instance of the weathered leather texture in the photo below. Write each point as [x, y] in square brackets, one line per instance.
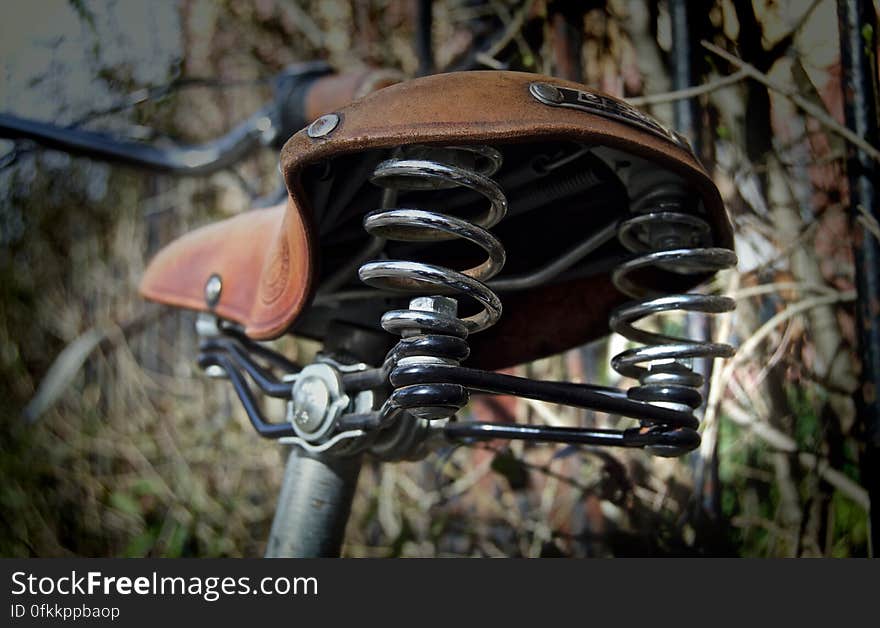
[267, 258]
[263, 258]
[486, 108]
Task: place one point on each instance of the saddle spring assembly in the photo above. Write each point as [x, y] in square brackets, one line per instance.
[424, 367]
[422, 383]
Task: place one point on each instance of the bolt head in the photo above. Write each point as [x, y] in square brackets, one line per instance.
[545, 92]
[311, 400]
[323, 126]
[213, 288]
[215, 372]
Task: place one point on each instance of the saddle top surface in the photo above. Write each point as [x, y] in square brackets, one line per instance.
[270, 262]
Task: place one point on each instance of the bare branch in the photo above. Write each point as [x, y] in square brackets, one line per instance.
[808, 107]
[690, 92]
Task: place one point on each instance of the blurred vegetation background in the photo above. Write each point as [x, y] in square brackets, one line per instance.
[114, 444]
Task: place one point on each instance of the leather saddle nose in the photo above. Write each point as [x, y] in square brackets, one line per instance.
[260, 260]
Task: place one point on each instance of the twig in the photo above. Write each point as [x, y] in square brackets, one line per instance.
[545, 411]
[779, 286]
[783, 442]
[524, 49]
[808, 107]
[72, 358]
[775, 357]
[513, 28]
[689, 92]
[463, 483]
[489, 62]
[542, 469]
[790, 248]
[710, 424]
[749, 346]
[742, 521]
[305, 24]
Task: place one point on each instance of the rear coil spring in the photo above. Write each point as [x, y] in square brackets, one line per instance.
[668, 238]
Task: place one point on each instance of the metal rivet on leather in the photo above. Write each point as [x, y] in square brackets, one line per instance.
[323, 126]
[213, 288]
[545, 92]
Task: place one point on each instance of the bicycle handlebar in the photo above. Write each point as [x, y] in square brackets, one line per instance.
[303, 93]
[200, 159]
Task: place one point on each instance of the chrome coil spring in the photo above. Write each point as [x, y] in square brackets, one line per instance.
[430, 328]
[665, 236]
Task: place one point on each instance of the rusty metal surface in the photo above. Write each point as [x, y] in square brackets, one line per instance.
[858, 40]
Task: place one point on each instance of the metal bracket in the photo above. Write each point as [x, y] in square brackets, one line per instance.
[325, 446]
[317, 402]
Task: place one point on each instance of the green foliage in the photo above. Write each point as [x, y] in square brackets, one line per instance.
[850, 528]
[805, 403]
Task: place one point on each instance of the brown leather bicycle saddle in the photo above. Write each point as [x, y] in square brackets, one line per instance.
[573, 160]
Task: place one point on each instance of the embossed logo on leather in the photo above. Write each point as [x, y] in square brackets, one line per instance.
[276, 275]
[560, 96]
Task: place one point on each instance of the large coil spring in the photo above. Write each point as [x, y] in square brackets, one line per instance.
[430, 328]
[665, 236]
